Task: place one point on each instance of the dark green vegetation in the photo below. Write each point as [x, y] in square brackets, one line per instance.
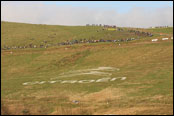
[148, 67]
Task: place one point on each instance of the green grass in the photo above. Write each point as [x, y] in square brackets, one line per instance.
[168, 30]
[148, 67]
[19, 34]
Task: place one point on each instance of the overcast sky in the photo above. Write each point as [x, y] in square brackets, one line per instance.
[127, 14]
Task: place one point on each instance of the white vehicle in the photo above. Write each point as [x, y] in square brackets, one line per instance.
[171, 37]
[154, 40]
[165, 38]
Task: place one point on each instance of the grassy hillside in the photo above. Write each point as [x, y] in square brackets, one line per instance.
[147, 66]
[19, 34]
[168, 30]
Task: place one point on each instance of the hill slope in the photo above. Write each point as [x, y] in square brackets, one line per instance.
[101, 78]
[19, 34]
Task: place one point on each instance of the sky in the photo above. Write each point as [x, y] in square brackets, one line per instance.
[121, 13]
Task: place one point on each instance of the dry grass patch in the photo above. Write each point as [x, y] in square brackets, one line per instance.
[72, 111]
[124, 111]
[18, 69]
[104, 95]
